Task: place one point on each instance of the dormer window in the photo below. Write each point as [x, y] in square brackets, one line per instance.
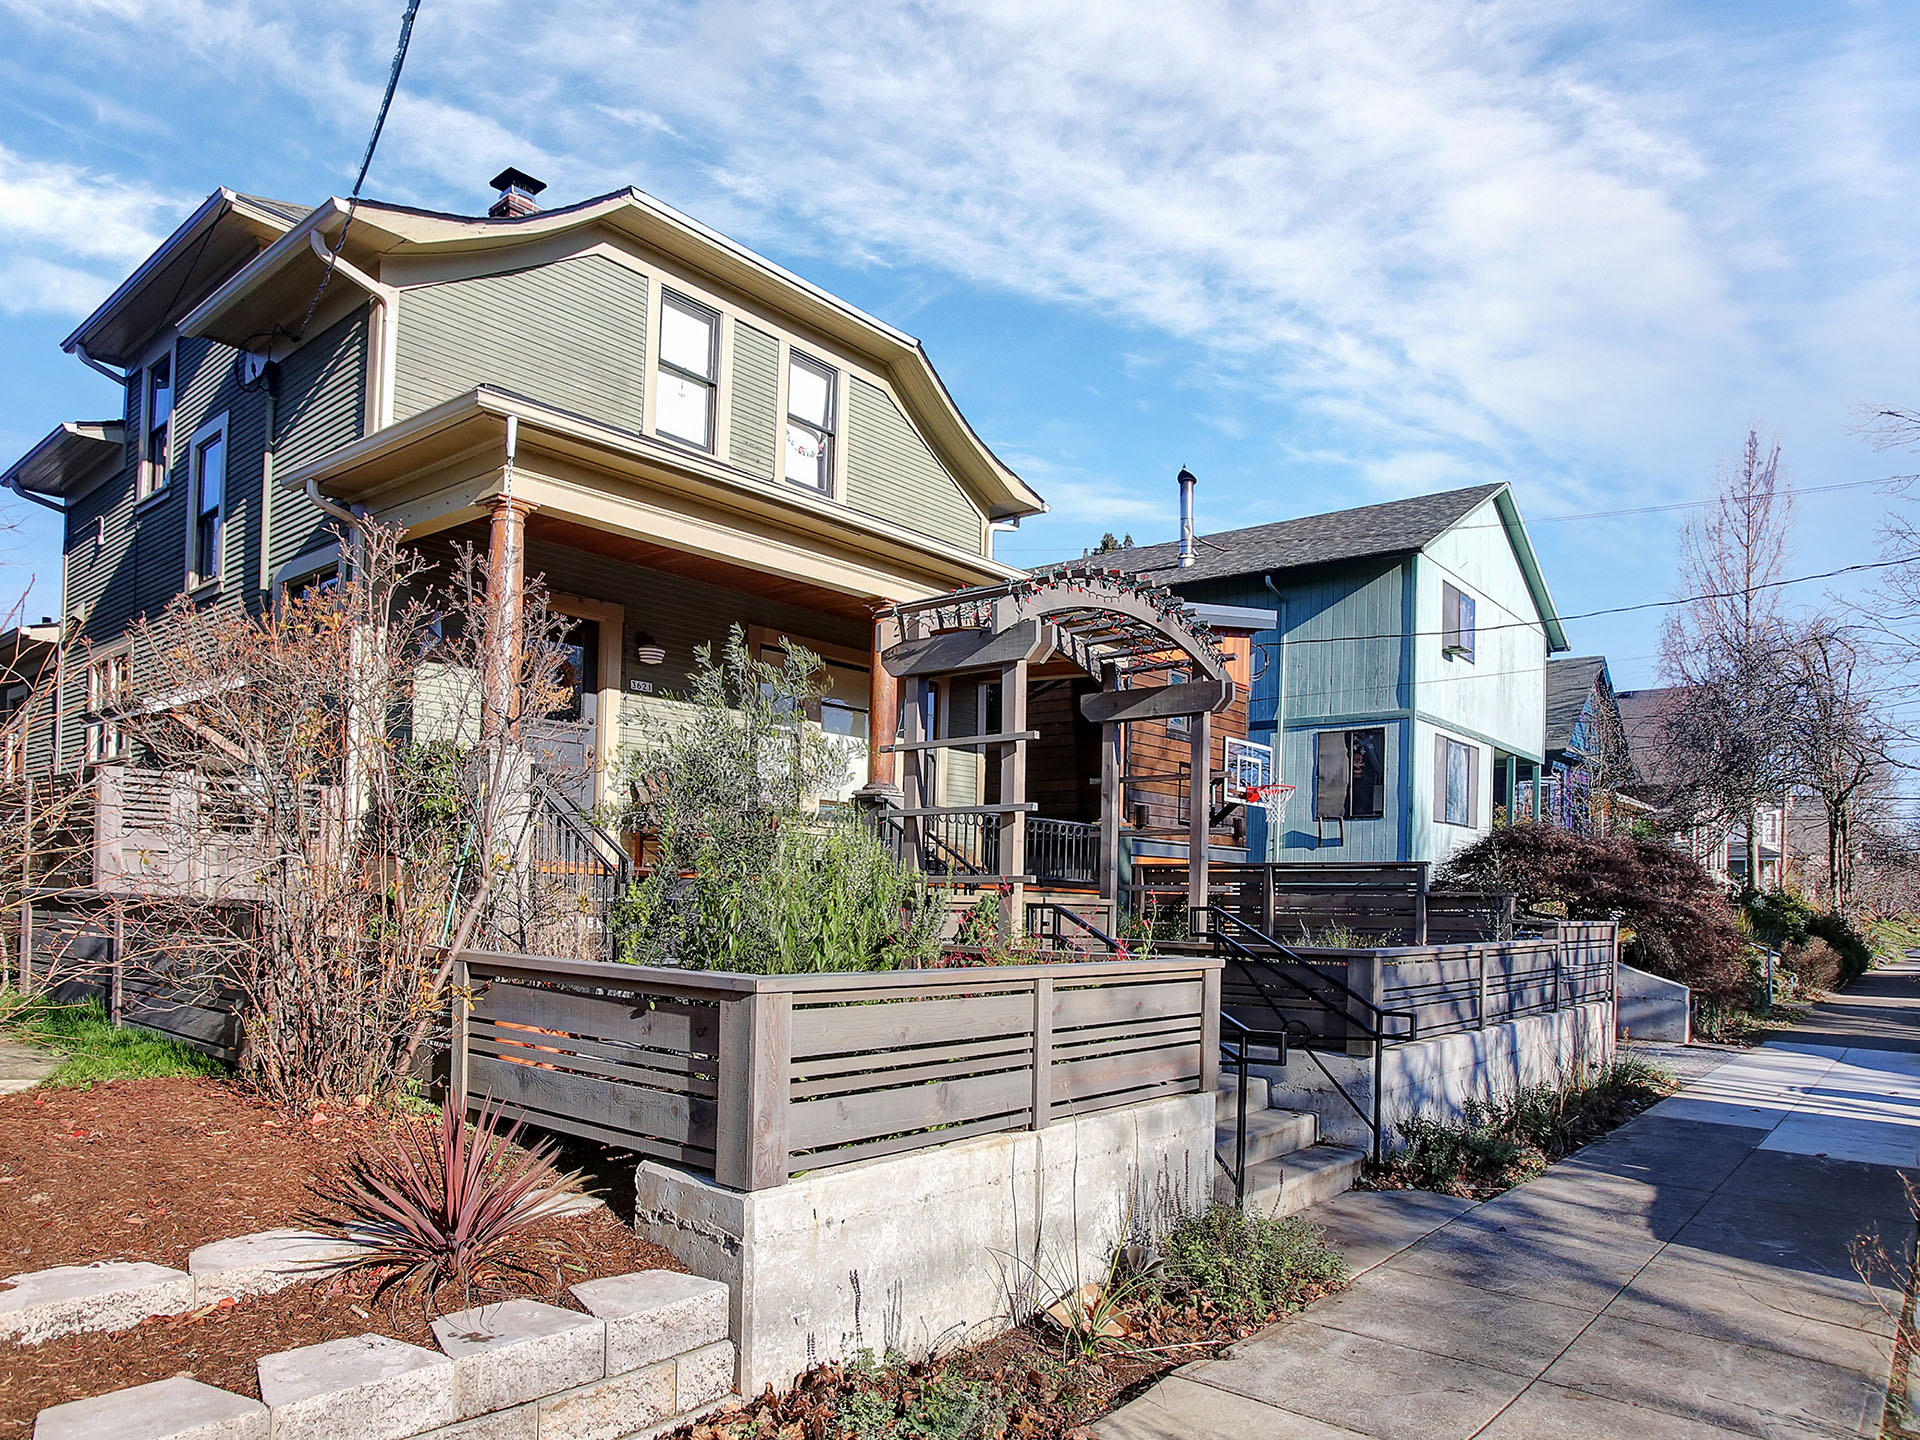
[1456, 622]
[809, 423]
[688, 371]
[157, 421]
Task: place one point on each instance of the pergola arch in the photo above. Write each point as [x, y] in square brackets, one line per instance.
[1110, 624]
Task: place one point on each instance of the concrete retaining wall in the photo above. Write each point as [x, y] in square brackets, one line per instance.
[1653, 1008]
[1435, 1078]
[920, 1249]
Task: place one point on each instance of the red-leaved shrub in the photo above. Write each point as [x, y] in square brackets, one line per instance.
[1682, 924]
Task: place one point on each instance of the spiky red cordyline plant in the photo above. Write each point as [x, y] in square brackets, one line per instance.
[450, 1207]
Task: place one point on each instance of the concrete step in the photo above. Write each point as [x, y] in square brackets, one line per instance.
[1293, 1182]
[1270, 1133]
[1256, 1094]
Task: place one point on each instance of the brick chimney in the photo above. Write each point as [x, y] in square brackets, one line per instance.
[517, 189]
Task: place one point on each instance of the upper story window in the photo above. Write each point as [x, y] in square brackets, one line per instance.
[156, 425]
[810, 425]
[208, 457]
[1456, 622]
[1350, 774]
[689, 367]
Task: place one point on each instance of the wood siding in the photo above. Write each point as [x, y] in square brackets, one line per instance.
[321, 406]
[893, 476]
[572, 334]
[754, 444]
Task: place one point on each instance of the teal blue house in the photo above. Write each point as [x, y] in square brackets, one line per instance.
[1402, 685]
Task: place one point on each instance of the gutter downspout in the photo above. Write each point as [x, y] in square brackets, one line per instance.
[13, 484]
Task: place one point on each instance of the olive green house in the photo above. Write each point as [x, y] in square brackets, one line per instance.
[678, 434]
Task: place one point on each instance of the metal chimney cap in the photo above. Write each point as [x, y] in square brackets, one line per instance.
[1187, 477]
[512, 179]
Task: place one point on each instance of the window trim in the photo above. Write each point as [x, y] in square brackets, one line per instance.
[1457, 637]
[671, 297]
[109, 687]
[1441, 775]
[1346, 807]
[145, 485]
[829, 436]
[215, 428]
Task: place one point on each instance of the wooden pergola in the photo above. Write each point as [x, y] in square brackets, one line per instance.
[1116, 628]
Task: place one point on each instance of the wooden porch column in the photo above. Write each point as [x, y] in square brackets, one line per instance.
[1013, 790]
[883, 711]
[1110, 807]
[506, 604]
[1199, 812]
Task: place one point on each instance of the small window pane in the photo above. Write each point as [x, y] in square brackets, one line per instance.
[810, 394]
[808, 456]
[686, 338]
[1459, 788]
[683, 411]
[212, 464]
[1368, 752]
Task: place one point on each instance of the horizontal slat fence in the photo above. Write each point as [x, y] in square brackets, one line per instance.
[1448, 988]
[759, 1078]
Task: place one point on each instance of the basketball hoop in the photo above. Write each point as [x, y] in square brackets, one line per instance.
[1274, 797]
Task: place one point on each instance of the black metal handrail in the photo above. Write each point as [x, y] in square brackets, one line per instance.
[1259, 968]
[1061, 912]
[1235, 1049]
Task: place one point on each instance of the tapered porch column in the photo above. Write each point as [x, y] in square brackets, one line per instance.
[506, 605]
[883, 711]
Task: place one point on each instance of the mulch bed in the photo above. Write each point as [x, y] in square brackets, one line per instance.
[220, 1344]
[153, 1169]
[1041, 1390]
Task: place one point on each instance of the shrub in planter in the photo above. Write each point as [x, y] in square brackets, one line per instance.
[1680, 922]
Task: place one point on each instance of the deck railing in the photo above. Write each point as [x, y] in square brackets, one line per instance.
[756, 1078]
[1063, 852]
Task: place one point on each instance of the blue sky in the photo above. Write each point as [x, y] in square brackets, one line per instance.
[1321, 254]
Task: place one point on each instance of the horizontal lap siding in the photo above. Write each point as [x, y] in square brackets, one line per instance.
[209, 386]
[570, 334]
[321, 407]
[892, 474]
[754, 443]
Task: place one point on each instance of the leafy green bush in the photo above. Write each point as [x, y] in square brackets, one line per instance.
[97, 1051]
[946, 1406]
[1821, 947]
[1497, 1143]
[1247, 1264]
[751, 873]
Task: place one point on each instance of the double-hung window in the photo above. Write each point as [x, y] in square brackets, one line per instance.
[1456, 781]
[207, 457]
[1350, 774]
[156, 425]
[108, 681]
[689, 365]
[810, 423]
[1456, 622]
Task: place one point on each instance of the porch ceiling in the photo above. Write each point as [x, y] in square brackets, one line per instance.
[690, 566]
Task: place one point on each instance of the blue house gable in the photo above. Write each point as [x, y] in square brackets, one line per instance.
[1403, 682]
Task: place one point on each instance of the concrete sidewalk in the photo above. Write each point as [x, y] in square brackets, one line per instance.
[1689, 1276]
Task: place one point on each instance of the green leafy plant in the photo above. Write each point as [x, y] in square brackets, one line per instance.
[450, 1205]
[1247, 1265]
[1496, 1143]
[752, 873]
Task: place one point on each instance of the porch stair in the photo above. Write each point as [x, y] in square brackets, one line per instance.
[1288, 1166]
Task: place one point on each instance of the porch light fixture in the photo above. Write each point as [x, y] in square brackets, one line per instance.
[648, 653]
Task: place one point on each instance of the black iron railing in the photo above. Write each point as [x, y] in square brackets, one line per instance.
[1063, 852]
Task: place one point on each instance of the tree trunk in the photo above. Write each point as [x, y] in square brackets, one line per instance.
[1753, 847]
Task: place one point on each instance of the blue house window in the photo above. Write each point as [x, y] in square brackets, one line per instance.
[1350, 774]
[1456, 622]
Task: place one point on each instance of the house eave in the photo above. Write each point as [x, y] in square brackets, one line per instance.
[474, 424]
[72, 455]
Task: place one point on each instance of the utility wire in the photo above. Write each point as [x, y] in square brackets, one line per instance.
[366, 161]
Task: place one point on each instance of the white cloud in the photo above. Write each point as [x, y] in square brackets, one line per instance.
[68, 235]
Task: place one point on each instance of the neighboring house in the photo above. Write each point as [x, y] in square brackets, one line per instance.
[1588, 765]
[29, 661]
[677, 433]
[1721, 848]
[1402, 681]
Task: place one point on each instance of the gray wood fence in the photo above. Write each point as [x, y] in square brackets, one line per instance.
[759, 1078]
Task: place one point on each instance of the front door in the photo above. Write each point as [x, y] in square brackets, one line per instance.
[565, 743]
